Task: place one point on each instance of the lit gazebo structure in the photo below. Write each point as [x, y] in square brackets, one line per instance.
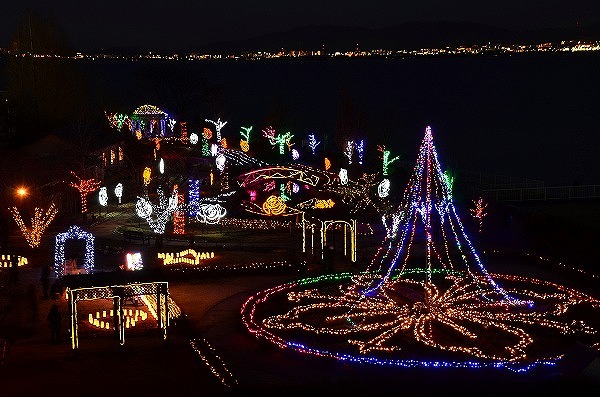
[149, 121]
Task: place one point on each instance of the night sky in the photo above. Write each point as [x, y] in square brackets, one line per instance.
[178, 23]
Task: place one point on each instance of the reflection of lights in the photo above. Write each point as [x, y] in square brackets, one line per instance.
[343, 176]
[193, 138]
[383, 189]
[119, 191]
[103, 196]
[220, 161]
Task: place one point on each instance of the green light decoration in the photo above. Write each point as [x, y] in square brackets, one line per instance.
[280, 140]
[386, 159]
[205, 146]
[449, 179]
[282, 194]
[246, 133]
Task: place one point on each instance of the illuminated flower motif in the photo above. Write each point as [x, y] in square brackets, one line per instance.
[207, 133]
[210, 213]
[193, 138]
[295, 154]
[103, 196]
[274, 205]
[343, 174]
[146, 175]
[327, 164]
[224, 143]
[119, 191]
[383, 189]
[459, 320]
[220, 162]
[244, 145]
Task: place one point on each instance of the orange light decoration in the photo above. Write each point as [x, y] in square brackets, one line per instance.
[138, 134]
[478, 211]
[121, 153]
[329, 203]
[183, 129]
[39, 223]
[146, 175]
[207, 133]
[85, 187]
[274, 205]
[327, 164]
[224, 143]
[179, 216]
[22, 191]
[244, 145]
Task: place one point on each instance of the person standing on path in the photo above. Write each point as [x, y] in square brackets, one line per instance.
[54, 321]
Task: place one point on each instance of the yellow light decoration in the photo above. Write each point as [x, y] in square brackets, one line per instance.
[186, 257]
[138, 134]
[130, 317]
[146, 175]
[274, 205]
[329, 203]
[327, 164]
[39, 223]
[244, 145]
[121, 153]
[8, 260]
[207, 133]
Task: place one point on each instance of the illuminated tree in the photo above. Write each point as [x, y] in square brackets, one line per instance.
[386, 161]
[85, 187]
[218, 125]
[39, 223]
[158, 214]
[478, 211]
[279, 140]
[313, 143]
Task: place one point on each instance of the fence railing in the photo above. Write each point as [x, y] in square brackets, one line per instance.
[543, 193]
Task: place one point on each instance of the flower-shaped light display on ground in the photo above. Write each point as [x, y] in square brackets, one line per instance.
[426, 299]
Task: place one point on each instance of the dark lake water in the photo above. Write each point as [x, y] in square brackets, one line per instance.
[531, 116]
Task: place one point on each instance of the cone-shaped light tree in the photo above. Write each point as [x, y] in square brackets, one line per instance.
[426, 238]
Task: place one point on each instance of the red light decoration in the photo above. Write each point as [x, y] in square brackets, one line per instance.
[85, 187]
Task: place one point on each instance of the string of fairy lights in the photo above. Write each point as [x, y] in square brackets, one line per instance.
[439, 296]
